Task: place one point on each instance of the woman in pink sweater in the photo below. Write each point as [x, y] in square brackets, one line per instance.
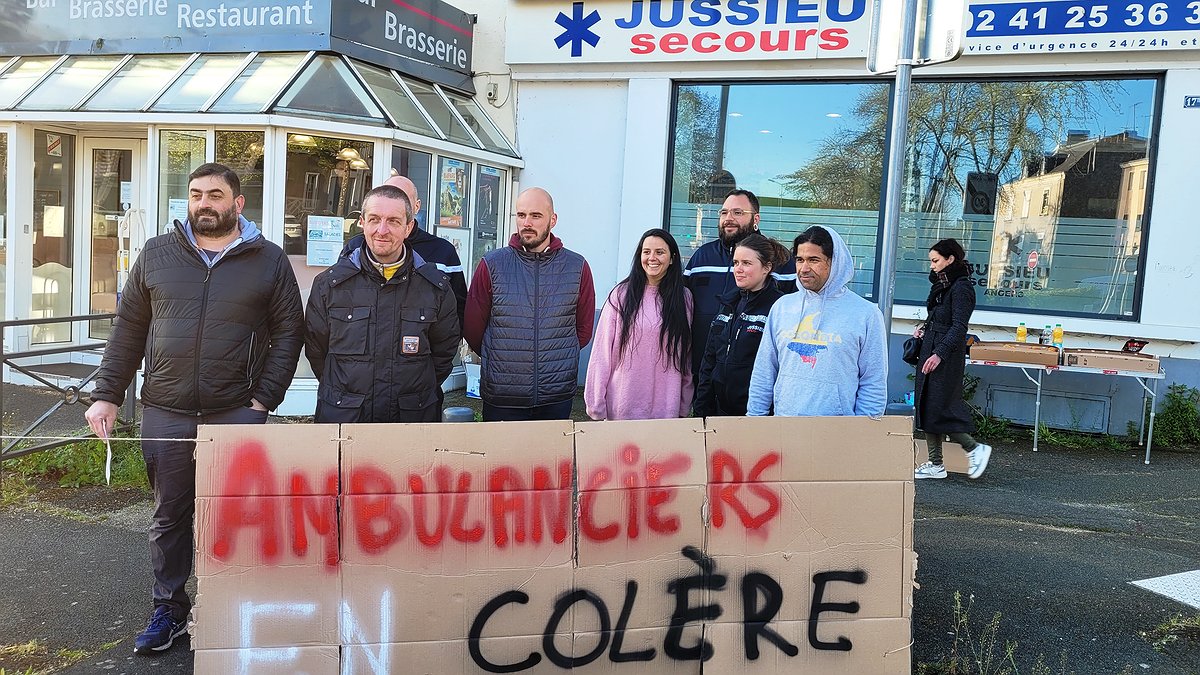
[640, 368]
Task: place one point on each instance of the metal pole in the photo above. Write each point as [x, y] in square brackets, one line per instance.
[895, 168]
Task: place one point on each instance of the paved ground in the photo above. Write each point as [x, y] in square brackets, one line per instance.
[1050, 540]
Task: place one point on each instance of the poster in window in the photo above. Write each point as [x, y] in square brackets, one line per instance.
[325, 237]
[458, 239]
[452, 192]
[487, 203]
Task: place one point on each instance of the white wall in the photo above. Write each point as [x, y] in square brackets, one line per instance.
[487, 61]
[572, 139]
[1171, 294]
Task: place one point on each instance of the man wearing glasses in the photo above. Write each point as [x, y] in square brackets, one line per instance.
[709, 273]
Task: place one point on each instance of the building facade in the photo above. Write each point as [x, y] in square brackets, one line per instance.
[1059, 149]
[312, 102]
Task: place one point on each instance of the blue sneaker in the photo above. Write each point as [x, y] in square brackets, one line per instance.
[160, 634]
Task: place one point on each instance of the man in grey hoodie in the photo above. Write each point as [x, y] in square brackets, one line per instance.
[824, 348]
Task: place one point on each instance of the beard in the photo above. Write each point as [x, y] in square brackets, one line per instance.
[733, 239]
[537, 241]
[211, 223]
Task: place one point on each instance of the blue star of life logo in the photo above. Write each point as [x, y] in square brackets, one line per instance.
[577, 29]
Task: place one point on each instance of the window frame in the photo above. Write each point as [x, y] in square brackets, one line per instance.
[1145, 219]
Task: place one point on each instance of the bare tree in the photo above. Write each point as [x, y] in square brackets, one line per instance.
[955, 128]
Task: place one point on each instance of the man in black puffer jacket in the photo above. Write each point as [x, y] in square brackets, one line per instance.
[215, 311]
[382, 324]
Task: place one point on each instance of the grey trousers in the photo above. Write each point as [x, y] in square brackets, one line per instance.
[171, 468]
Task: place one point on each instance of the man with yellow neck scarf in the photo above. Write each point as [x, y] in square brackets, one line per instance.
[381, 324]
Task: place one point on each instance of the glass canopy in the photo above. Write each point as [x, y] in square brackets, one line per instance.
[326, 86]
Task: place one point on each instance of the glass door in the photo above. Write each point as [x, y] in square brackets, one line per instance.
[113, 224]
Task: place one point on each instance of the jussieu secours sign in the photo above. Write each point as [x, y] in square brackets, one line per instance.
[631, 31]
[426, 38]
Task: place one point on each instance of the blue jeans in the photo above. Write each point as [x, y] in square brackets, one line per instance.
[551, 411]
[171, 468]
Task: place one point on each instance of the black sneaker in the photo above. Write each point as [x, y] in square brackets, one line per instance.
[160, 634]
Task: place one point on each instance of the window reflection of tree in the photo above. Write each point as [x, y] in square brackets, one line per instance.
[956, 127]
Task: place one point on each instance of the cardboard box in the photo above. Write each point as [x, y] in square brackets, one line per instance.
[1015, 352]
[877, 647]
[269, 660]
[434, 457]
[1105, 359]
[260, 459]
[266, 607]
[456, 542]
[769, 449]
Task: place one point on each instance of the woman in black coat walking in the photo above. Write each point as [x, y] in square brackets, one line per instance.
[940, 408]
[724, 382]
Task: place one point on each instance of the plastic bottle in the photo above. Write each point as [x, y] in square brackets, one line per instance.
[1046, 336]
[1022, 332]
[1058, 335]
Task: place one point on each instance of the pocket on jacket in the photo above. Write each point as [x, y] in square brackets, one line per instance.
[349, 330]
[338, 406]
[414, 331]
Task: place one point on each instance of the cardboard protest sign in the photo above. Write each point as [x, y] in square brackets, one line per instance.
[759, 545]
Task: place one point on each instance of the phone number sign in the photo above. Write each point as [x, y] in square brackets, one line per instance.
[1058, 25]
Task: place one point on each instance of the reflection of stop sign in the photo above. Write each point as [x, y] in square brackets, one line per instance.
[1033, 256]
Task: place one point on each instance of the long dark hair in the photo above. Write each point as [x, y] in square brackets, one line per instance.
[771, 253]
[675, 337]
[815, 235]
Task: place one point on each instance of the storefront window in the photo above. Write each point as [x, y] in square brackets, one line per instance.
[328, 87]
[418, 167]
[17, 80]
[181, 153]
[442, 115]
[201, 81]
[774, 140]
[324, 187]
[326, 179]
[53, 250]
[489, 204]
[67, 85]
[242, 151]
[132, 86]
[453, 204]
[258, 84]
[1043, 182]
[3, 221]
[403, 112]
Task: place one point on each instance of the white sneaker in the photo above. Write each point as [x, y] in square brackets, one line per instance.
[977, 460]
[930, 470]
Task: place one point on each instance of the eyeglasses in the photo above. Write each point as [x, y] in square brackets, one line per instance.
[736, 213]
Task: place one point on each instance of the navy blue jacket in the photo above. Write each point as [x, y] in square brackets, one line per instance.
[724, 384]
[709, 275]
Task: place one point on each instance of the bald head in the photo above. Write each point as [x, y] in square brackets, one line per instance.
[535, 218]
[539, 196]
[410, 190]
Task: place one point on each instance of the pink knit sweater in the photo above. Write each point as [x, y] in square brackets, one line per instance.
[639, 384]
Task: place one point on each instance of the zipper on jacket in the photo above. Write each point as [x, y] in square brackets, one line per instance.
[537, 287]
[200, 339]
[250, 364]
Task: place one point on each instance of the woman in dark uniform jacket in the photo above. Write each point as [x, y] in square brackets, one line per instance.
[940, 408]
[724, 382]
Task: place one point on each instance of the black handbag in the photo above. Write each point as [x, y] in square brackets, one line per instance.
[912, 351]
